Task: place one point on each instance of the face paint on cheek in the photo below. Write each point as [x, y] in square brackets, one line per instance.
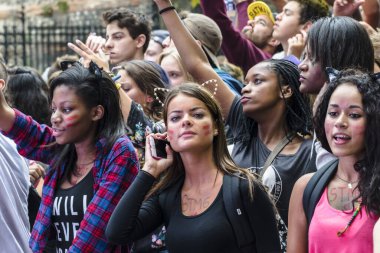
[170, 134]
[71, 121]
[206, 130]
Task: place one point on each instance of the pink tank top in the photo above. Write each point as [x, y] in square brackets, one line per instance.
[327, 221]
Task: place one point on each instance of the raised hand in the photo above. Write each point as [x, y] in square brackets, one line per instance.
[154, 165]
[346, 7]
[95, 43]
[88, 55]
[297, 44]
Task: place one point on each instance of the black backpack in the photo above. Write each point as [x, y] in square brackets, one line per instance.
[236, 212]
[316, 186]
[237, 215]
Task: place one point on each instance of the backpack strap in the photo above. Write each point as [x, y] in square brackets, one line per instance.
[315, 187]
[279, 147]
[235, 212]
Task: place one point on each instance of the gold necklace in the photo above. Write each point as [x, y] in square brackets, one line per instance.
[349, 183]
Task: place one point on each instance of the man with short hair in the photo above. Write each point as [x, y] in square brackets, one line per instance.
[127, 35]
[296, 18]
[127, 38]
[14, 189]
[256, 44]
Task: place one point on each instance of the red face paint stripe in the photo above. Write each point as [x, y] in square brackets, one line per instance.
[72, 118]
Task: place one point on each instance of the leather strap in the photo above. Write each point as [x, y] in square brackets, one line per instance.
[280, 146]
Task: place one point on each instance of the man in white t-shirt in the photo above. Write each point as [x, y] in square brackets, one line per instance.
[14, 189]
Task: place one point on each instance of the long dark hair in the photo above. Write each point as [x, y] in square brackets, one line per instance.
[369, 167]
[94, 88]
[147, 77]
[221, 155]
[341, 43]
[28, 92]
[298, 111]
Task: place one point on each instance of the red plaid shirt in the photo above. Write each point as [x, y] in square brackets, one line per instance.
[113, 172]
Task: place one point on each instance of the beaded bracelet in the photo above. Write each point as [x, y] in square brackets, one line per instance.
[166, 9]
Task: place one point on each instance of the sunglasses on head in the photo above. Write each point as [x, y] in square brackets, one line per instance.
[66, 64]
[93, 67]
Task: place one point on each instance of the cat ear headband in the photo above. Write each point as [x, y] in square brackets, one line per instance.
[211, 81]
[334, 74]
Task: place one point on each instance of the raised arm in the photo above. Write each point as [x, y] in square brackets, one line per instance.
[193, 57]
[7, 114]
[234, 44]
[241, 12]
[371, 9]
[133, 219]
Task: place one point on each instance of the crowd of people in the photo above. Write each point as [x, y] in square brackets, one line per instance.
[252, 134]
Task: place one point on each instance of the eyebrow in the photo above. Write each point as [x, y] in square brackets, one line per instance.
[115, 33]
[260, 18]
[351, 106]
[191, 110]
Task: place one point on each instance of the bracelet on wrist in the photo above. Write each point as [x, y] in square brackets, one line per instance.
[166, 9]
[118, 85]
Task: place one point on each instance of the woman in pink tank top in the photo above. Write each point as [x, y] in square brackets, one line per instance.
[346, 123]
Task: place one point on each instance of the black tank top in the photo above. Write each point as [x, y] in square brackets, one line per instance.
[68, 211]
[207, 232]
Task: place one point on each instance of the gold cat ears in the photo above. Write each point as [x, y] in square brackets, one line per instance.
[214, 82]
[208, 82]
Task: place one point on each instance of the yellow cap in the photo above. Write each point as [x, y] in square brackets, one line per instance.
[259, 8]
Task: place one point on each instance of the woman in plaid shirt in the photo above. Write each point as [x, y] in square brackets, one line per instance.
[92, 162]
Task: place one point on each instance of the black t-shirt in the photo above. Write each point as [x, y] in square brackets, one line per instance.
[250, 152]
[209, 231]
[68, 211]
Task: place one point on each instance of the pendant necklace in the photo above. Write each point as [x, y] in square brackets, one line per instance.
[349, 183]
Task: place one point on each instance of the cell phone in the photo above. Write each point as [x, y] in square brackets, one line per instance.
[157, 147]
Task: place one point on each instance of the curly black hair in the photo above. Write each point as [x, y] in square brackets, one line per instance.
[368, 168]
